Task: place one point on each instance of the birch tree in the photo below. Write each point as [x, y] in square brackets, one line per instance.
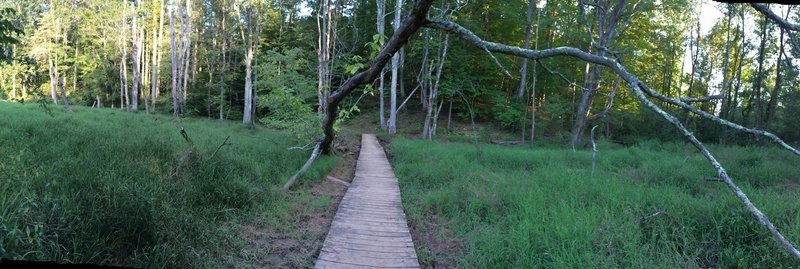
[136, 57]
[381, 21]
[327, 15]
[395, 72]
[251, 42]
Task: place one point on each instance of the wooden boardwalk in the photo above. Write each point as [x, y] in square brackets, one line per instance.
[369, 229]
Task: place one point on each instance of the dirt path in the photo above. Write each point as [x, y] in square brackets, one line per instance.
[370, 228]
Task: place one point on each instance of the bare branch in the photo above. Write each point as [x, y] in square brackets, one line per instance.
[719, 120]
[688, 99]
[224, 143]
[564, 78]
[314, 156]
[609, 103]
[502, 68]
[637, 89]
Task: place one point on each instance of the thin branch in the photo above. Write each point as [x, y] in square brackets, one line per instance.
[609, 104]
[688, 99]
[224, 143]
[407, 98]
[594, 149]
[637, 89]
[719, 120]
[564, 78]
[505, 71]
[314, 156]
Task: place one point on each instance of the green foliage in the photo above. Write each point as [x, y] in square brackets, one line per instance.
[92, 186]
[8, 30]
[542, 208]
[287, 93]
[287, 112]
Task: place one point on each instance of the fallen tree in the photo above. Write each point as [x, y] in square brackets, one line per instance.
[638, 89]
[418, 18]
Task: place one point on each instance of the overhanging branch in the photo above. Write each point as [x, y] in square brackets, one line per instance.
[775, 18]
[637, 88]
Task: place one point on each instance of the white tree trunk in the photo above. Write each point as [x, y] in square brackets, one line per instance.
[174, 62]
[523, 81]
[136, 56]
[53, 79]
[326, 26]
[247, 118]
[381, 21]
[395, 72]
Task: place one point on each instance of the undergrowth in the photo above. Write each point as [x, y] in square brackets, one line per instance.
[654, 205]
[104, 186]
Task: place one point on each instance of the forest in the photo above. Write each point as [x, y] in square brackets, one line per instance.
[530, 134]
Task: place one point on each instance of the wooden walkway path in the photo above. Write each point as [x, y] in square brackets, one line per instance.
[369, 229]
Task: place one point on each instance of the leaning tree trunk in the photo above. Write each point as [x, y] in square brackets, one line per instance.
[638, 89]
[641, 91]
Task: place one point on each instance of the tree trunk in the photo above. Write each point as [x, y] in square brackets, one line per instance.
[433, 94]
[773, 97]
[155, 63]
[176, 109]
[186, 37]
[533, 77]
[735, 99]
[53, 79]
[326, 26]
[248, 77]
[608, 18]
[64, 94]
[523, 81]
[136, 56]
[725, 62]
[757, 83]
[381, 23]
[395, 72]
[222, 74]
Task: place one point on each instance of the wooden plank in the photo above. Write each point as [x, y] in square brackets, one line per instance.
[369, 229]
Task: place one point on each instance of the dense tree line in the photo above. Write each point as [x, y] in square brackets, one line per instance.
[273, 62]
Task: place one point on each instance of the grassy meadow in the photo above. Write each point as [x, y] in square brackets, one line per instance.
[541, 207]
[104, 186]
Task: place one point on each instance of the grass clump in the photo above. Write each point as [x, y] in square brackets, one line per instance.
[108, 187]
[541, 207]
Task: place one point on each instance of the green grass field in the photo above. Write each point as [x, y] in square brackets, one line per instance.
[109, 187]
[540, 207]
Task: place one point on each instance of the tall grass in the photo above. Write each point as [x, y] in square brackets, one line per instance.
[542, 208]
[110, 187]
